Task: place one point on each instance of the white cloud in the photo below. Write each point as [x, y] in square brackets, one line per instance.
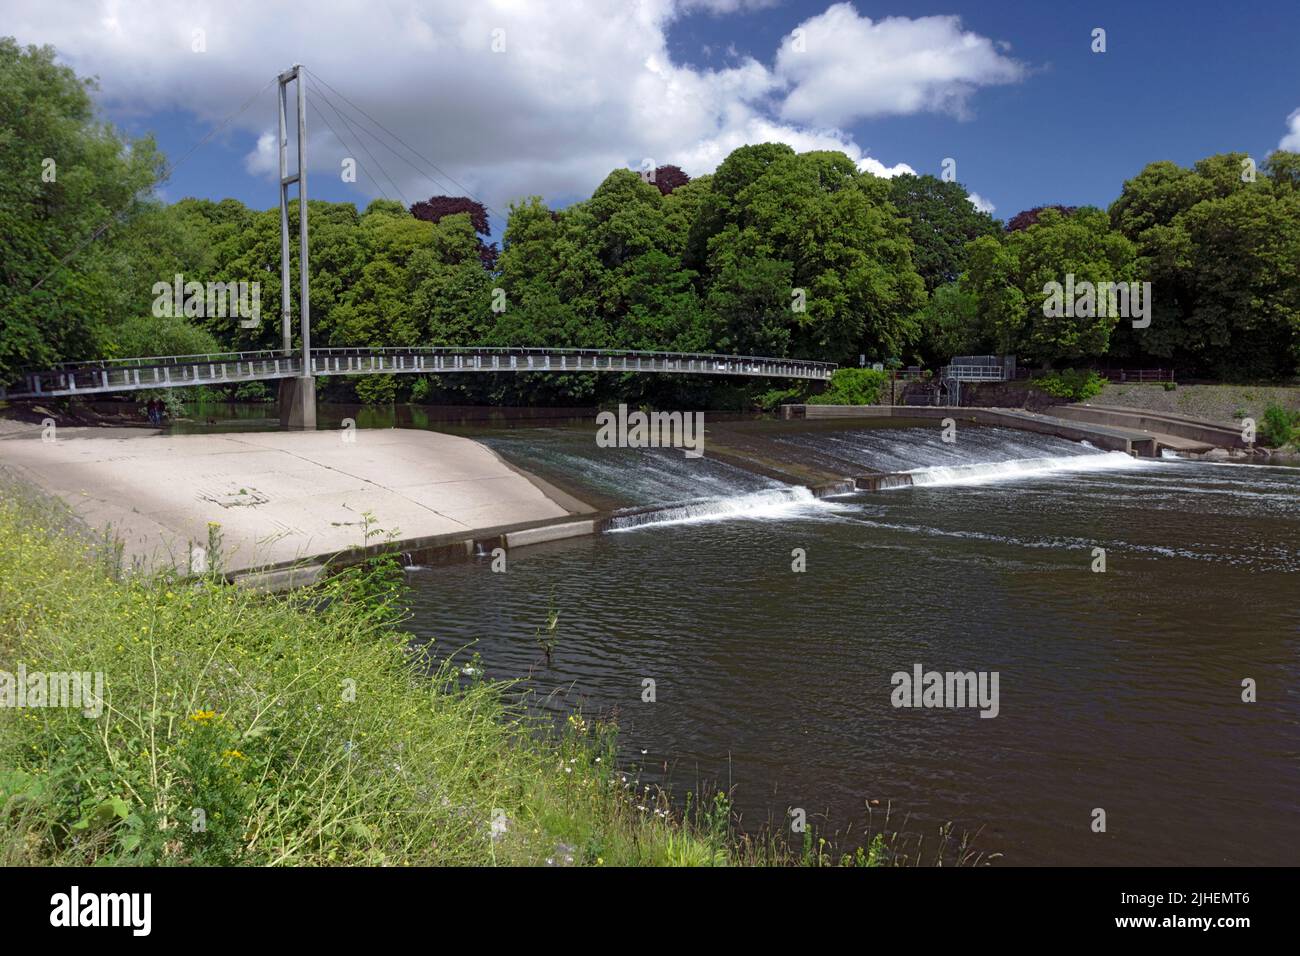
[982, 204]
[718, 7]
[1291, 141]
[869, 164]
[575, 93]
[845, 67]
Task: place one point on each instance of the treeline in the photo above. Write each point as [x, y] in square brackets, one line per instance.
[775, 253]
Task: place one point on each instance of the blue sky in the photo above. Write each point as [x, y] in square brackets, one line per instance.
[1178, 81]
[1030, 114]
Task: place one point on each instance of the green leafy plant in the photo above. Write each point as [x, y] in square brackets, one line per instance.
[546, 636]
[1075, 385]
[1279, 426]
[852, 386]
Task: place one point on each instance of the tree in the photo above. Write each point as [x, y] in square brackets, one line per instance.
[1011, 281]
[941, 220]
[669, 178]
[436, 208]
[1023, 220]
[991, 280]
[1052, 250]
[950, 325]
[68, 186]
[1222, 251]
[805, 254]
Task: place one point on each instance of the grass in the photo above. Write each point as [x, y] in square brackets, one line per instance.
[246, 729]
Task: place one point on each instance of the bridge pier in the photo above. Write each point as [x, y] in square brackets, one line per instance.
[298, 403]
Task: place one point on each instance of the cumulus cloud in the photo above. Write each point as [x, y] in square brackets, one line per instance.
[869, 164]
[511, 99]
[719, 7]
[982, 204]
[841, 67]
[1291, 141]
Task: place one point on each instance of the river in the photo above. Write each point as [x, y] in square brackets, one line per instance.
[1119, 690]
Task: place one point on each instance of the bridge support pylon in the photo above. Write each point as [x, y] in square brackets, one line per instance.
[298, 403]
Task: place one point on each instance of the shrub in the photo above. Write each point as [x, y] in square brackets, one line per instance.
[1279, 426]
[772, 399]
[376, 389]
[1075, 385]
[852, 386]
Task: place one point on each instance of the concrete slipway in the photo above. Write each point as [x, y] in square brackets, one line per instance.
[282, 497]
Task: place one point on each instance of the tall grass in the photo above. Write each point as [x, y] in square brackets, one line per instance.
[246, 729]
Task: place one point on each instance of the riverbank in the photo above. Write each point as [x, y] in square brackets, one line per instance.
[277, 497]
[241, 729]
[1227, 404]
[228, 727]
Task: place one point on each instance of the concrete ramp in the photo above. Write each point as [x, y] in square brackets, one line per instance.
[278, 497]
[1177, 432]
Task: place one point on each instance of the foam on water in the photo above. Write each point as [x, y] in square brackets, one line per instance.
[776, 503]
[1019, 468]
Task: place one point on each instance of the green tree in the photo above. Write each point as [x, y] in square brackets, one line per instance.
[941, 221]
[1010, 281]
[1222, 250]
[950, 325]
[58, 287]
[812, 251]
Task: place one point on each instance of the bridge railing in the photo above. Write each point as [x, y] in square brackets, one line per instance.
[125, 375]
[205, 358]
[130, 374]
[452, 359]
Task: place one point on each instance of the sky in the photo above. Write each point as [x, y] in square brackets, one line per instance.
[502, 99]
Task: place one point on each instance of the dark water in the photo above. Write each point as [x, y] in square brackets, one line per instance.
[1118, 690]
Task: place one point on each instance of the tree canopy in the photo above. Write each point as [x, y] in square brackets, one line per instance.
[776, 253]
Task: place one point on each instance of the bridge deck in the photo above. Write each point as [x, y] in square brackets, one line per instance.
[124, 375]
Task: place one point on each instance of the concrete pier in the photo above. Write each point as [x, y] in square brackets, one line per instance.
[297, 401]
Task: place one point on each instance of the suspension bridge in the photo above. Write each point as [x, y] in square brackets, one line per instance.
[297, 367]
[232, 368]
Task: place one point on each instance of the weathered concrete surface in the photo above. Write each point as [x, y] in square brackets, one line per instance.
[1196, 433]
[278, 496]
[1108, 438]
[1108, 430]
[297, 401]
[552, 532]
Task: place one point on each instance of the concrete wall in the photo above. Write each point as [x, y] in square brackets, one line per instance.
[1221, 436]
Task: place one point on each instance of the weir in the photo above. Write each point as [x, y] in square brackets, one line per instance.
[1110, 429]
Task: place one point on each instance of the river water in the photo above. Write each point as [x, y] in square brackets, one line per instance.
[1119, 690]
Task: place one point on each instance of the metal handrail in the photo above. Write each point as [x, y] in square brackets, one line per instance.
[985, 373]
[177, 371]
[271, 354]
[159, 360]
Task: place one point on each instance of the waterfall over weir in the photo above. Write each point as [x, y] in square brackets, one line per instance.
[986, 473]
[775, 503]
[660, 486]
